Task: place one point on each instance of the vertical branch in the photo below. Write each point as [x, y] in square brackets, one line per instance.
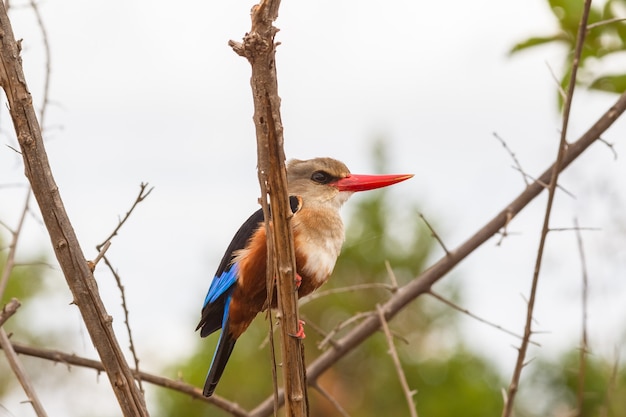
[521, 356]
[259, 48]
[583, 338]
[64, 242]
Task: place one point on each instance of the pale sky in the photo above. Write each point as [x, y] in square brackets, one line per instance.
[149, 91]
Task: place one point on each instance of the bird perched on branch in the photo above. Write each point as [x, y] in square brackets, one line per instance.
[317, 188]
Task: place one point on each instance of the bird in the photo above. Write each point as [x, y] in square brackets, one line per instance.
[317, 189]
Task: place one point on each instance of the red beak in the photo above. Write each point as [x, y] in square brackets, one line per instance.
[368, 182]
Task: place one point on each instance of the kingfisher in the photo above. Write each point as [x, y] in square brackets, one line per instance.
[317, 190]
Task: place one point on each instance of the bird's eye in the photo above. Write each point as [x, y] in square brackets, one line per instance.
[321, 177]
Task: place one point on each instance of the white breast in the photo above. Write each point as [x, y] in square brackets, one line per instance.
[320, 239]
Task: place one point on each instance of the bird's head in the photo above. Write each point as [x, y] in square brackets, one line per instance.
[326, 180]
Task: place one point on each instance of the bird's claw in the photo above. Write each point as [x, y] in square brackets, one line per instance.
[300, 333]
[298, 281]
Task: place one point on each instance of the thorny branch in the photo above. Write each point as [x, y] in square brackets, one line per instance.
[583, 337]
[259, 48]
[424, 281]
[180, 386]
[144, 192]
[63, 239]
[562, 150]
[408, 393]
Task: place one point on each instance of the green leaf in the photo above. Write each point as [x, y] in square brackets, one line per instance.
[610, 83]
[538, 40]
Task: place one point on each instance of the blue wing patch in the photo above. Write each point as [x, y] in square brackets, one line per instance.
[221, 284]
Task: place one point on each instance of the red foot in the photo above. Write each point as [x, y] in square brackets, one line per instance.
[300, 334]
[298, 281]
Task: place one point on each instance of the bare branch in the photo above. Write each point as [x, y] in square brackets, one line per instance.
[17, 368]
[434, 234]
[605, 22]
[131, 342]
[408, 393]
[64, 240]
[8, 310]
[474, 316]
[144, 192]
[508, 408]
[94, 263]
[341, 325]
[176, 385]
[583, 338]
[351, 288]
[259, 47]
[330, 399]
[10, 261]
[513, 157]
[46, 47]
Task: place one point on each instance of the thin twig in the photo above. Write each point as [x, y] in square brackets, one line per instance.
[144, 192]
[557, 82]
[605, 22]
[10, 261]
[354, 318]
[575, 229]
[176, 385]
[610, 146]
[351, 288]
[94, 263]
[583, 338]
[8, 310]
[48, 72]
[546, 185]
[513, 157]
[62, 235]
[392, 277]
[513, 386]
[434, 234]
[408, 393]
[474, 316]
[330, 399]
[131, 343]
[612, 386]
[20, 373]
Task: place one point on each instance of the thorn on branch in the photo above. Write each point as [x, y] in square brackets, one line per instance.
[610, 146]
[512, 155]
[474, 316]
[434, 234]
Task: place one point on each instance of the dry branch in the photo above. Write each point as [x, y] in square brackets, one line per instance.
[20, 373]
[259, 48]
[180, 386]
[554, 177]
[64, 242]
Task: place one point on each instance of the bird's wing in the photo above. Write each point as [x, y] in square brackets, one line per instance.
[225, 277]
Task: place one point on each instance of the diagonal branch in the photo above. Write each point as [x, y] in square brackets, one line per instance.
[15, 363]
[177, 385]
[64, 241]
[423, 282]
